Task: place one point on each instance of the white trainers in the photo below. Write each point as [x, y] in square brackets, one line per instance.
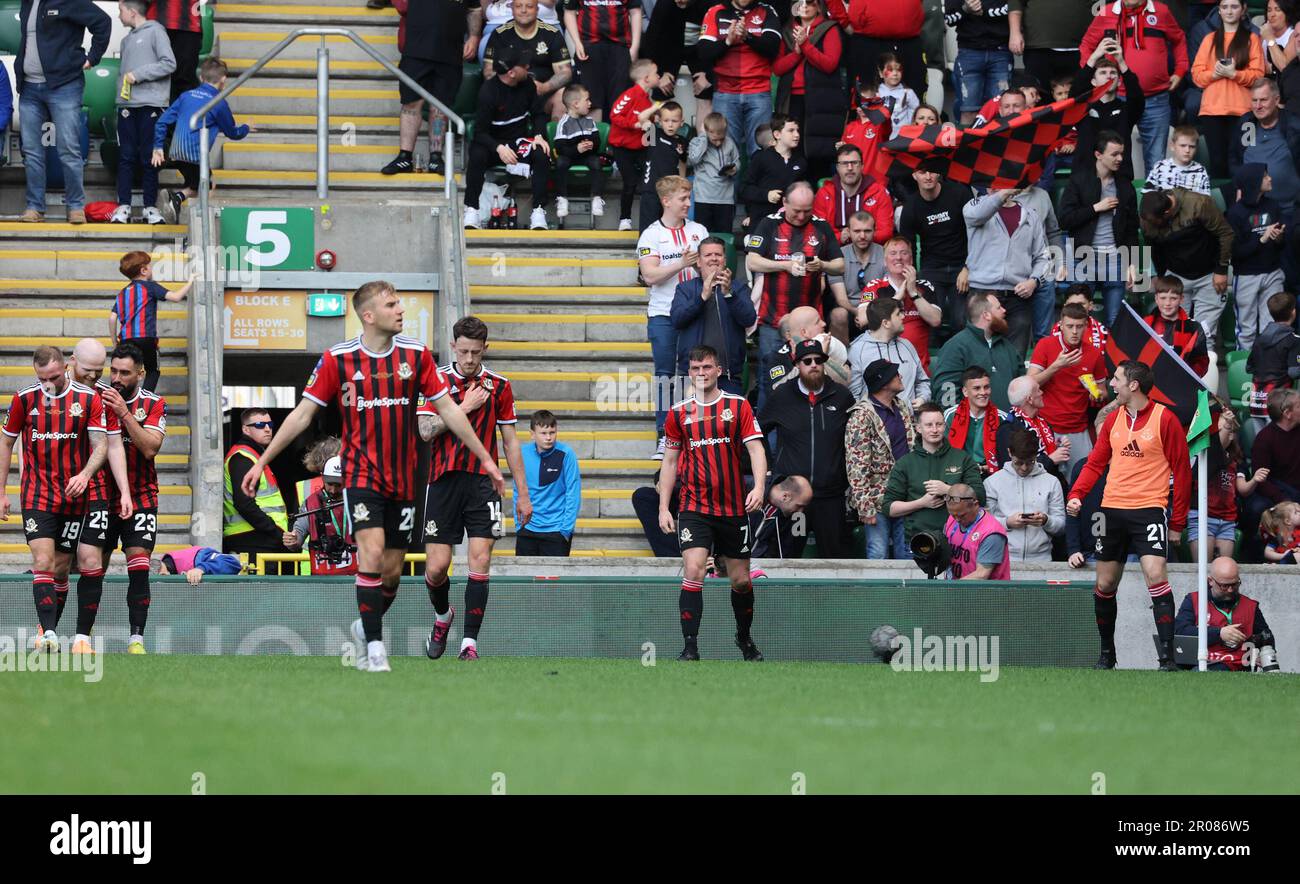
[359, 645]
[152, 215]
[472, 221]
[537, 220]
[660, 448]
[121, 215]
[48, 642]
[625, 224]
[378, 655]
[561, 207]
[597, 207]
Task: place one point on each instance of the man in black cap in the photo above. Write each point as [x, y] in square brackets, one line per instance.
[808, 417]
[509, 130]
[879, 432]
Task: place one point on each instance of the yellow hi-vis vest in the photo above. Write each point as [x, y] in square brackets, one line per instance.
[268, 499]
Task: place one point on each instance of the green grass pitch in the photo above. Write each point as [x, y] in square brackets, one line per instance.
[541, 725]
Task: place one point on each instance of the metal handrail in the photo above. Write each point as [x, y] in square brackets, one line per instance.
[322, 163]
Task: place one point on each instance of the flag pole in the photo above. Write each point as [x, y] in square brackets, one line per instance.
[1202, 558]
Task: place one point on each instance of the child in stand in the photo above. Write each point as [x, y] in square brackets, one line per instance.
[870, 125]
[1226, 483]
[1180, 168]
[715, 159]
[577, 143]
[664, 155]
[1274, 359]
[901, 101]
[143, 93]
[183, 152]
[135, 312]
[1280, 526]
[629, 130]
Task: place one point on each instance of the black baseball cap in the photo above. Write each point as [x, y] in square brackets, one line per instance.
[810, 347]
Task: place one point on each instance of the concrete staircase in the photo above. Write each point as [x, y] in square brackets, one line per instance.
[57, 285]
[565, 312]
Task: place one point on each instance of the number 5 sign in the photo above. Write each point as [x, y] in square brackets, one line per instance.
[268, 239]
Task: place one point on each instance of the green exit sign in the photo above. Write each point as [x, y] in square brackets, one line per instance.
[325, 304]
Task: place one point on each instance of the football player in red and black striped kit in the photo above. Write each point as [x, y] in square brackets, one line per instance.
[460, 499]
[377, 381]
[142, 416]
[706, 435]
[65, 442]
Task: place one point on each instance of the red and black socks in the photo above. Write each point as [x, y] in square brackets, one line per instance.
[1162, 611]
[370, 604]
[137, 593]
[691, 604]
[47, 606]
[476, 597]
[60, 599]
[439, 594]
[90, 589]
[742, 605]
[389, 591]
[1106, 609]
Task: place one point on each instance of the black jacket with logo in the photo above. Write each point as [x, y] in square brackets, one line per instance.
[810, 436]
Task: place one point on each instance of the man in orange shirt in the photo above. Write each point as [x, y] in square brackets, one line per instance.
[1144, 445]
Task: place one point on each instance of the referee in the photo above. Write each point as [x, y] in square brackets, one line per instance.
[1145, 447]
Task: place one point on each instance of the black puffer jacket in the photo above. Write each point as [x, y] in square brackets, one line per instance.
[824, 101]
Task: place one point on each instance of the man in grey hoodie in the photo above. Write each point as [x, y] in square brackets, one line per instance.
[884, 340]
[1007, 253]
[143, 93]
[1027, 499]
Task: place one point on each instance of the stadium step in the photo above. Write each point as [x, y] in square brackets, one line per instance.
[82, 323]
[362, 153]
[552, 269]
[303, 14]
[241, 46]
[173, 382]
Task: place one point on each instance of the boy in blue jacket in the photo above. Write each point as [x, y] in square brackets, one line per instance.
[183, 152]
[551, 471]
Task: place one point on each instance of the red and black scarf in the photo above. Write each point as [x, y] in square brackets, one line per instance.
[1039, 427]
[961, 428]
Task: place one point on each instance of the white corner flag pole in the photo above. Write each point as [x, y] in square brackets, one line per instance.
[1202, 559]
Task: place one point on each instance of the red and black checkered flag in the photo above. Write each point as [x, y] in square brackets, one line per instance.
[1177, 385]
[999, 155]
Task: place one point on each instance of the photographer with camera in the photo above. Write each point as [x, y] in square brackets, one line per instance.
[323, 520]
[1237, 626]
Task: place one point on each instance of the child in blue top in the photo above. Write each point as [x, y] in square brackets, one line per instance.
[555, 488]
[183, 152]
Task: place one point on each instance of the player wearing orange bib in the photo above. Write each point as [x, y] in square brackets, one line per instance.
[1144, 446]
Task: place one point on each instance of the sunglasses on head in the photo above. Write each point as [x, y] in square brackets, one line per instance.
[261, 425]
[953, 498]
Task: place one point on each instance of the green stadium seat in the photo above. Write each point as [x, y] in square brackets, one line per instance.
[467, 98]
[1239, 382]
[11, 33]
[209, 31]
[687, 131]
[100, 96]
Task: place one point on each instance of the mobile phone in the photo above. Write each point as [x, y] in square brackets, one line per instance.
[729, 169]
[1108, 34]
[1225, 61]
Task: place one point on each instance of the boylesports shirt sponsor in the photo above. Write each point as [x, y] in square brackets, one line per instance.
[669, 243]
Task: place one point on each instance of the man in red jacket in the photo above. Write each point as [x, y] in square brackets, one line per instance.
[876, 26]
[1150, 38]
[852, 191]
